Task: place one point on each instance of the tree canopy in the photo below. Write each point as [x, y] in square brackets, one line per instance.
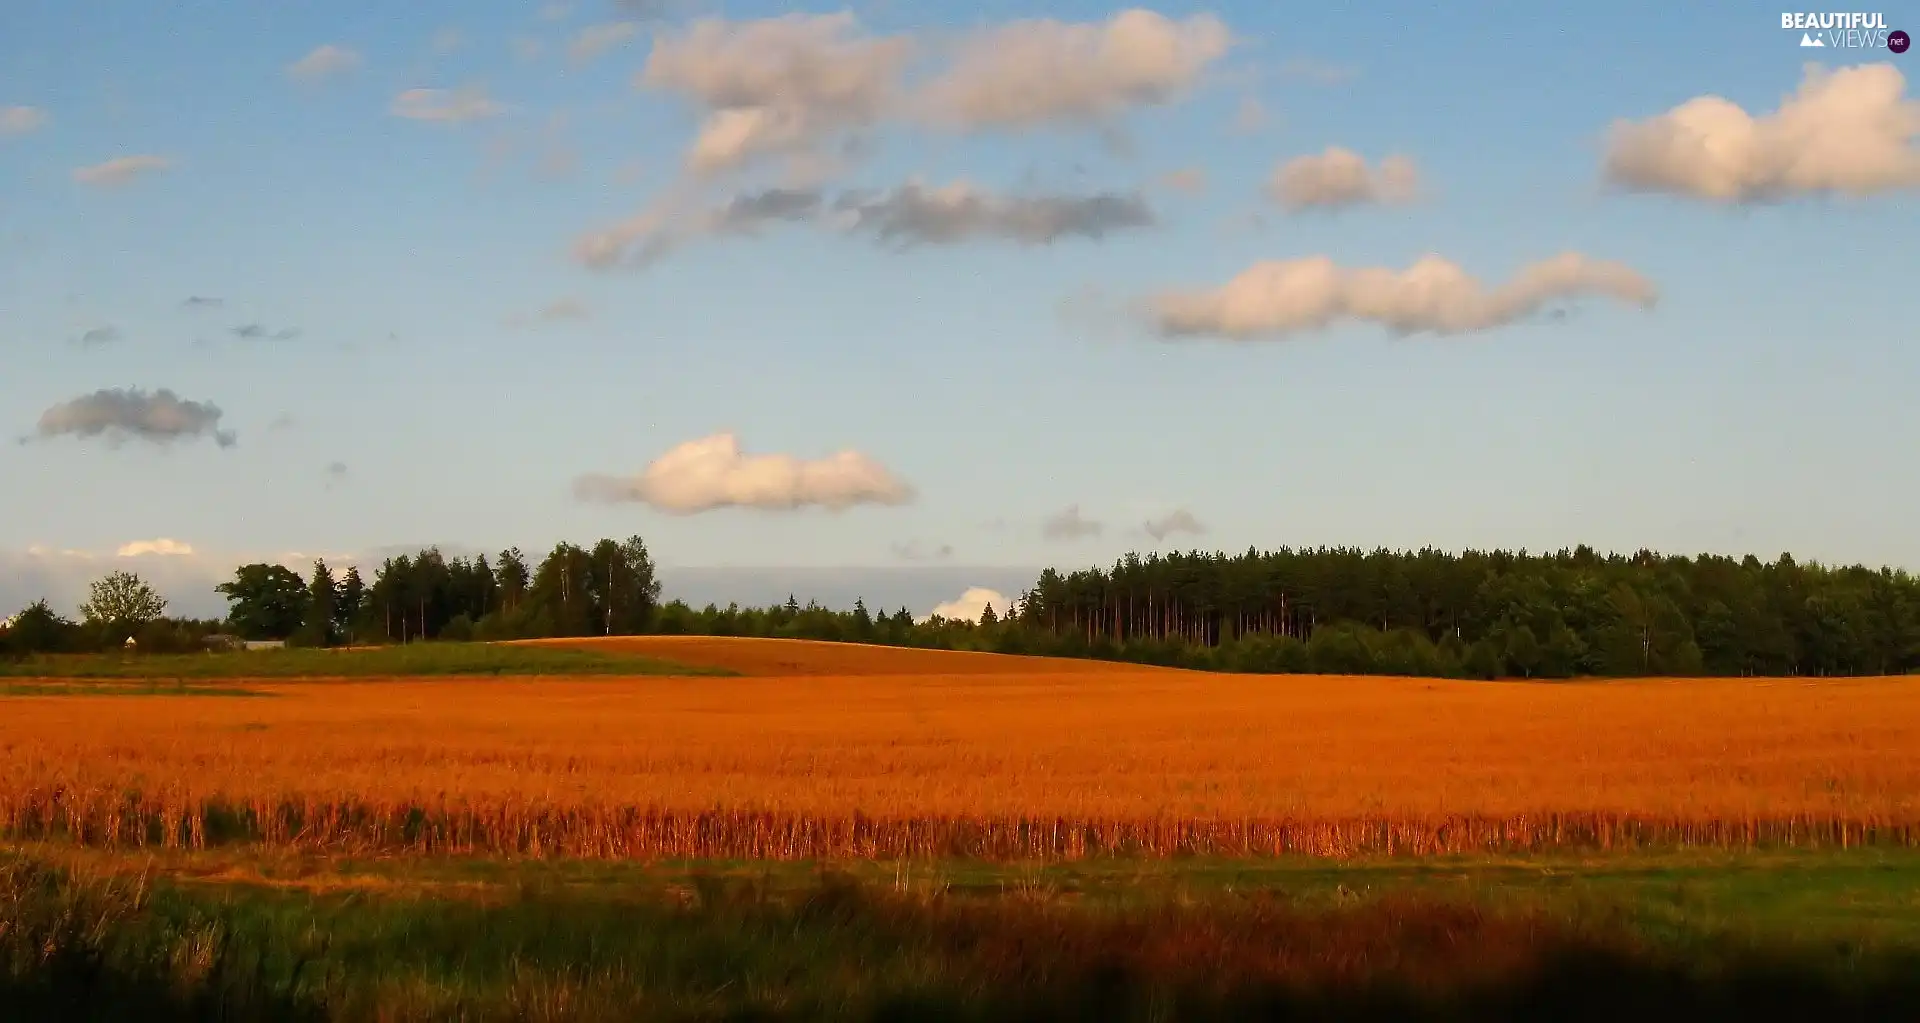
[122, 602]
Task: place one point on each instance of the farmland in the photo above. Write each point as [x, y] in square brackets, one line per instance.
[938, 754]
[722, 829]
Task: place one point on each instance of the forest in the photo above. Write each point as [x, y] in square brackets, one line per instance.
[1496, 614]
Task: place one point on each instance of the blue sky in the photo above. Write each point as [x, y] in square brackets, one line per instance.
[1764, 403]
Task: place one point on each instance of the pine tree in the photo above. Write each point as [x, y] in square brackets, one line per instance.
[987, 617]
[353, 602]
[323, 595]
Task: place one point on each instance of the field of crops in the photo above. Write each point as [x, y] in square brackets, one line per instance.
[934, 754]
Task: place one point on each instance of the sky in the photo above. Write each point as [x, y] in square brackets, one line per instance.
[927, 296]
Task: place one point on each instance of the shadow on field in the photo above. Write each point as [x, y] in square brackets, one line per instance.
[75, 948]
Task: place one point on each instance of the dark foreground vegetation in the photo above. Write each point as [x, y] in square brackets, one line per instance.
[1332, 611]
[81, 946]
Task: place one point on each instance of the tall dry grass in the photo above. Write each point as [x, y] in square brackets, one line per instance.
[998, 766]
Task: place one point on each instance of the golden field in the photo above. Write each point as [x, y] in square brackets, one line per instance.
[930, 753]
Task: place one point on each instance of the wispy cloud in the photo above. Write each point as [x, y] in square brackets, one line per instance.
[97, 336]
[322, 62]
[904, 217]
[203, 302]
[560, 310]
[914, 550]
[1070, 524]
[121, 170]
[594, 40]
[18, 121]
[1192, 180]
[448, 106]
[259, 332]
[1177, 521]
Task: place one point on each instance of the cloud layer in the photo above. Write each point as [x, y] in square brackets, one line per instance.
[1849, 132]
[1340, 177]
[1284, 297]
[118, 414]
[713, 472]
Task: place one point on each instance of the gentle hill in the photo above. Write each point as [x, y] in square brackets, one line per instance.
[806, 657]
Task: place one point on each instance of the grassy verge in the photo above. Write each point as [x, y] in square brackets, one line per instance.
[417, 659]
[479, 940]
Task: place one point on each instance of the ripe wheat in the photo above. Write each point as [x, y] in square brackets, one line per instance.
[1002, 766]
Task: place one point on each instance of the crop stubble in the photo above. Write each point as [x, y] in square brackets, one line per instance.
[987, 758]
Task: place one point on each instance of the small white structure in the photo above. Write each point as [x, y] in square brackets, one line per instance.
[130, 643]
[266, 644]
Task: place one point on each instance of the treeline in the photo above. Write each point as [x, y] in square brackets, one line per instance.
[1477, 614]
[1327, 610]
[607, 589]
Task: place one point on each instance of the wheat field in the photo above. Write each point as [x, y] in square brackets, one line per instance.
[969, 756]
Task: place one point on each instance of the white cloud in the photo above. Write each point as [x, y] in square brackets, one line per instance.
[1027, 74]
[1282, 297]
[969, 605]
[17, 121]
[1179, 520]
[121, 170]
[323, 62]
[446, 41]
[451, 106]
[1341, 177]
[776, 86]
[712, 472]
[162, 547]
[1849, 132]
[595, 40]
[1069, 524]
